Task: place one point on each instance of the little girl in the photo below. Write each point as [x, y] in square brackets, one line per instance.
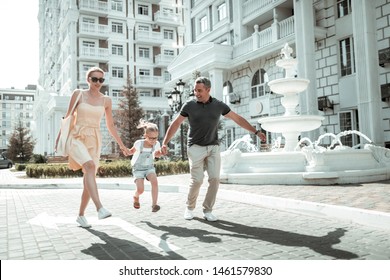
[144, 151]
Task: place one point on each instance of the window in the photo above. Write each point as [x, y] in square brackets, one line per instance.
[117, 50]
[167, 76]
[116, 93]
[88, 44]
[203, 24]
[168, 34]
[259, 82]
[144, 72]
[144, 52]
[117, 72]
[230, 136]
[117, 5]
[117, 27]
[169, 52]
[143, 28]
[347, 122]
[143, 10]
[144, 93]
[221, 10]
[347, 59]
[343, 7]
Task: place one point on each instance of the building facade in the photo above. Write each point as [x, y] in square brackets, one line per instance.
[16, 105]
[342, 47]
[136, 39]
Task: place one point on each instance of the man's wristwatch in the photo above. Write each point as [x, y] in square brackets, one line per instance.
[257, 131]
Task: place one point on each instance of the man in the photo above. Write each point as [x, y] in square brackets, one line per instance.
[203, 146]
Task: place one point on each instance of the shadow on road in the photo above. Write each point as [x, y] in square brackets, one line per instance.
[122, 249]
[320, 244]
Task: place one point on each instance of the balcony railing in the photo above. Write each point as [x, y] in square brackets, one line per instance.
[98, 6]
[149, 81]
[163, 60]
[96, 53]
[94, 29]
[265, 37]
[167, 17]
[148, 36]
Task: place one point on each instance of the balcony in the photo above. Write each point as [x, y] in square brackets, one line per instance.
[162, 60]
[143, 81]
[148, 37]
[253, 8]
[94, 30]
[97, 7]
[98, 54]
[167, 18]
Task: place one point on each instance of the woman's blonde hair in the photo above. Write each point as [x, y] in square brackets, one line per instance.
[147, 126]
[94, 69]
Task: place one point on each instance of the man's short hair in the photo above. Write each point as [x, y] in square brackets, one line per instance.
[203, 80]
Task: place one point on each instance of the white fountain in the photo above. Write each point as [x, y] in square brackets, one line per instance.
[301, 162]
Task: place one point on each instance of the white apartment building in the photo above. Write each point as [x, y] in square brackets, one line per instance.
[136, 39]
[342, 47]
[15, 105]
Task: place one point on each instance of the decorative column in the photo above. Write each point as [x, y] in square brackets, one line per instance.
[367, 73]
[216, 78]
[305, 52]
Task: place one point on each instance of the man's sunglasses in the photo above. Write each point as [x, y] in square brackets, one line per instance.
[94, 80]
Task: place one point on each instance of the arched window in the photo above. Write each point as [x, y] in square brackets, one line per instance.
[259, 82]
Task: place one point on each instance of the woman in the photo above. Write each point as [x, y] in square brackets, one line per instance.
[85, 139]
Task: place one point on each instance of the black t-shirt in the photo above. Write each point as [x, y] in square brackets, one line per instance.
[203, 119]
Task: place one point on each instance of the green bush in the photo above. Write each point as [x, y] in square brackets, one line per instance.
[20, 166]
[119, 168]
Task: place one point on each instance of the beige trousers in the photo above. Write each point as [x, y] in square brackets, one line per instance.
[203, 158]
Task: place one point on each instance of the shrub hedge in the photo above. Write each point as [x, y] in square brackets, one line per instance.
[119, 168]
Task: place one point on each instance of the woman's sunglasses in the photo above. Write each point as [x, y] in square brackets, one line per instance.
[95, 80]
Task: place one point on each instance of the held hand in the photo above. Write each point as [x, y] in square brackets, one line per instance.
[262, 136]
[164, 149]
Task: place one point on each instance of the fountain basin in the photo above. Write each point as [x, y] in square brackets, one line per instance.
[298, 123]
[347, 166]
[288, 85]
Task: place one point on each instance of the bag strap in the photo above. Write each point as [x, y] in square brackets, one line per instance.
[75, 103]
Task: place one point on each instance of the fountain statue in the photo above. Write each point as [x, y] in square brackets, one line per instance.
[303, 161]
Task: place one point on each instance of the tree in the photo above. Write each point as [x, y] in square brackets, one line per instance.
[129, 114]
[21, 144]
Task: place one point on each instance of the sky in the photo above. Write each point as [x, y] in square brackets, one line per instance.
[19, 43]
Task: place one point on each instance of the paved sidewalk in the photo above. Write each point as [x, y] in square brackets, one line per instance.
[367, 203]
[37, 221]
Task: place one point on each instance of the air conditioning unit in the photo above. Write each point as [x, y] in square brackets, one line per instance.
[324, 103]
[234, 98]
[384, 57]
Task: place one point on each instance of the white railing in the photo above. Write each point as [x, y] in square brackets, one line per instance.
[243, 47]
[163, 59]
[94, 52]
[167, 16]
[265, 37]
[286, 27]
[149, 80]
[148, 35]
[94, 5]
[94, 28]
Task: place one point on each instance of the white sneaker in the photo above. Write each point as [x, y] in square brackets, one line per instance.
[83, 222]
[188, 215]
[209, 217]
[103, 213]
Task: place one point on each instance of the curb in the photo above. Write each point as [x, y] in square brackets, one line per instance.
[356, 215]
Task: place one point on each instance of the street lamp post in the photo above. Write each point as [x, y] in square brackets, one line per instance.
[175, 103]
